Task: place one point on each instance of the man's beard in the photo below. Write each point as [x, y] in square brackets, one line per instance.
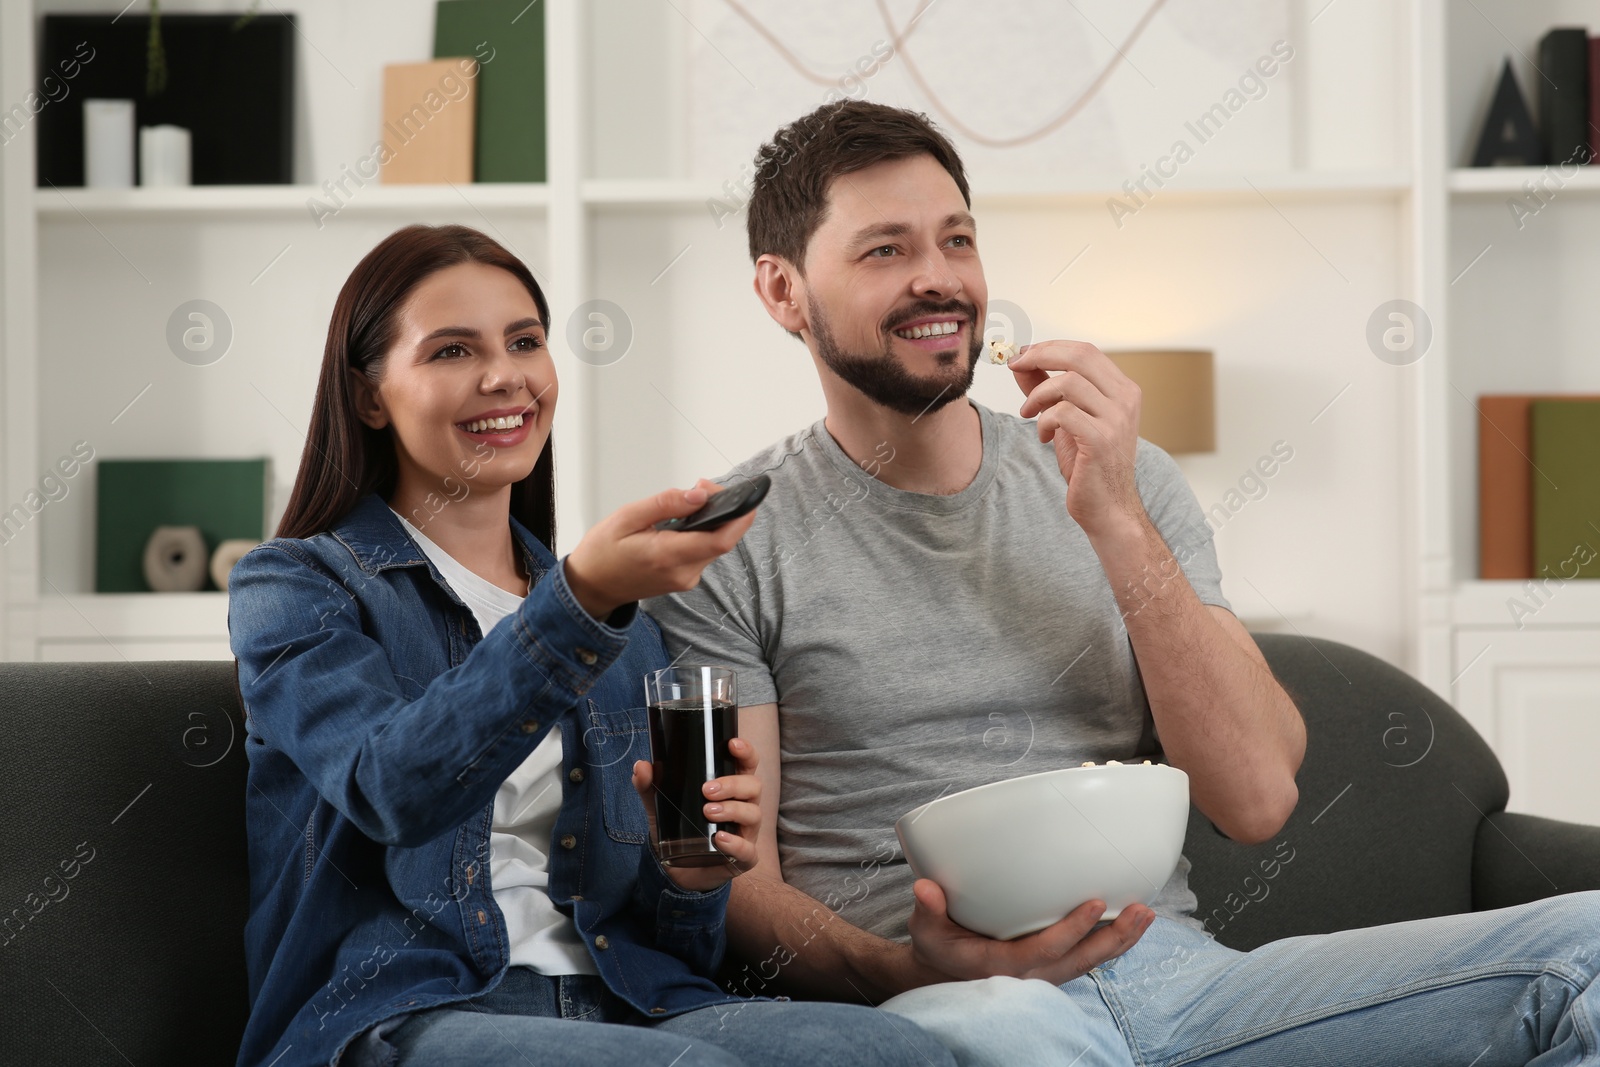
[883, 380]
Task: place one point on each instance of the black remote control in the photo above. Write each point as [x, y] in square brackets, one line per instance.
[722, 508]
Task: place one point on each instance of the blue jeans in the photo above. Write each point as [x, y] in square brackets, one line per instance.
[1486, 989]
[535, 1020]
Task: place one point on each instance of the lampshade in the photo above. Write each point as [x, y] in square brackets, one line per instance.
[1179, 406]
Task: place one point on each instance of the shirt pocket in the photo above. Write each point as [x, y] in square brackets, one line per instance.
[612, 741]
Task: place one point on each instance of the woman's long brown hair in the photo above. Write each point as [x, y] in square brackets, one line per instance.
[344, 458]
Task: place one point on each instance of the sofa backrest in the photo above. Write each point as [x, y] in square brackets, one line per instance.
[123, 875]
[124, 883]
[1393, 787]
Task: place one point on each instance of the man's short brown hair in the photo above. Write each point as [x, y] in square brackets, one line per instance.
[794, 169]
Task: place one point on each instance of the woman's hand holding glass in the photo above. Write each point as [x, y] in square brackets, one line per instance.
[733, 798]
[624, 559]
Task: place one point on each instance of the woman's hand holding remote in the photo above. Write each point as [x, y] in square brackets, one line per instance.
[623, 558]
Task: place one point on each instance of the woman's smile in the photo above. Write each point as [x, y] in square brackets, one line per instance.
[502, 427]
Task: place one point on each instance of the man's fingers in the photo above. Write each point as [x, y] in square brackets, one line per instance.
[1071, 387]
[930, 900]
[1027, 355]
[1110, 941]
[1029, 380]
[1067, 933]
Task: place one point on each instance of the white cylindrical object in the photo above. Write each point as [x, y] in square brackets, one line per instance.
[163, 155]
[108, 144]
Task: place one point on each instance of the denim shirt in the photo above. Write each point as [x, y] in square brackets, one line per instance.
[379, 725]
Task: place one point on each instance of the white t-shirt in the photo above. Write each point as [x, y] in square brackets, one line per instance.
[525, 809]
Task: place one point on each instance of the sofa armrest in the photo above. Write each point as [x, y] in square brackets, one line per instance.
[1518, 858]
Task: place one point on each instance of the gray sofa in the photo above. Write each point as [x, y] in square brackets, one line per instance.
[124, 888]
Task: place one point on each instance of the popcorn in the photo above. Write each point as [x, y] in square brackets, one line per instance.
[1000, 351]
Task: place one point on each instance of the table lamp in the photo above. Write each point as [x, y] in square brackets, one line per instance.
[1179, 406]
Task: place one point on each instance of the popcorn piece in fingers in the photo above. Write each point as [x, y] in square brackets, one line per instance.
[1000, 351]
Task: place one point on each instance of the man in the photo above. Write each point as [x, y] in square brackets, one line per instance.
[936, 595]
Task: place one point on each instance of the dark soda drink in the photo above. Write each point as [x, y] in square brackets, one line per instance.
[689, 747]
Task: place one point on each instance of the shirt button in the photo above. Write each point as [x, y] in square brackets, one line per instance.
[530, 726]
[677, 913]
[482, 918]
[658, 1011]
[576, 898]
[587, 656]
[602, 943]
[568, 841]
[576, 774]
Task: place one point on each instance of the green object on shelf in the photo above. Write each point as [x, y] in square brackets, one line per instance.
[1565, 435]
[506, 37]
[226, 498]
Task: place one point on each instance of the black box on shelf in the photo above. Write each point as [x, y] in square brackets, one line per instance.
[231, 86]
[1564, 95]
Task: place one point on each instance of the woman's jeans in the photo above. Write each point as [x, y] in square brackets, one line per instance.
[1513, 986]
[534, 1020]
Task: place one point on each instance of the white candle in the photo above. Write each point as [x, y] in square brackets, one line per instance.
[108, 144]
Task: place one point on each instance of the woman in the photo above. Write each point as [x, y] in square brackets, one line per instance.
[449, 859]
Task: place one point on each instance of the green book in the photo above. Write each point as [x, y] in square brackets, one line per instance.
[1565, 435]
[226, 498]
[506, 37]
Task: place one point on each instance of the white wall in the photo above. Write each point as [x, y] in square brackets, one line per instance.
[711, 379]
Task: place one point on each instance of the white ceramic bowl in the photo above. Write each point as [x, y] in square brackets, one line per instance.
[1013, 857]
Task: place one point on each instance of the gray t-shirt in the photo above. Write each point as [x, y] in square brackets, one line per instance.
[919, 644]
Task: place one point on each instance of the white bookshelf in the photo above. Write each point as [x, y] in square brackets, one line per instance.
[1514, 281]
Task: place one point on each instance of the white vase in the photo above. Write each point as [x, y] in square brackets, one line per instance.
[163, 155]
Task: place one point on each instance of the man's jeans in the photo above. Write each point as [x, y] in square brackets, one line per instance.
[532, 1020]
[1487, 989]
